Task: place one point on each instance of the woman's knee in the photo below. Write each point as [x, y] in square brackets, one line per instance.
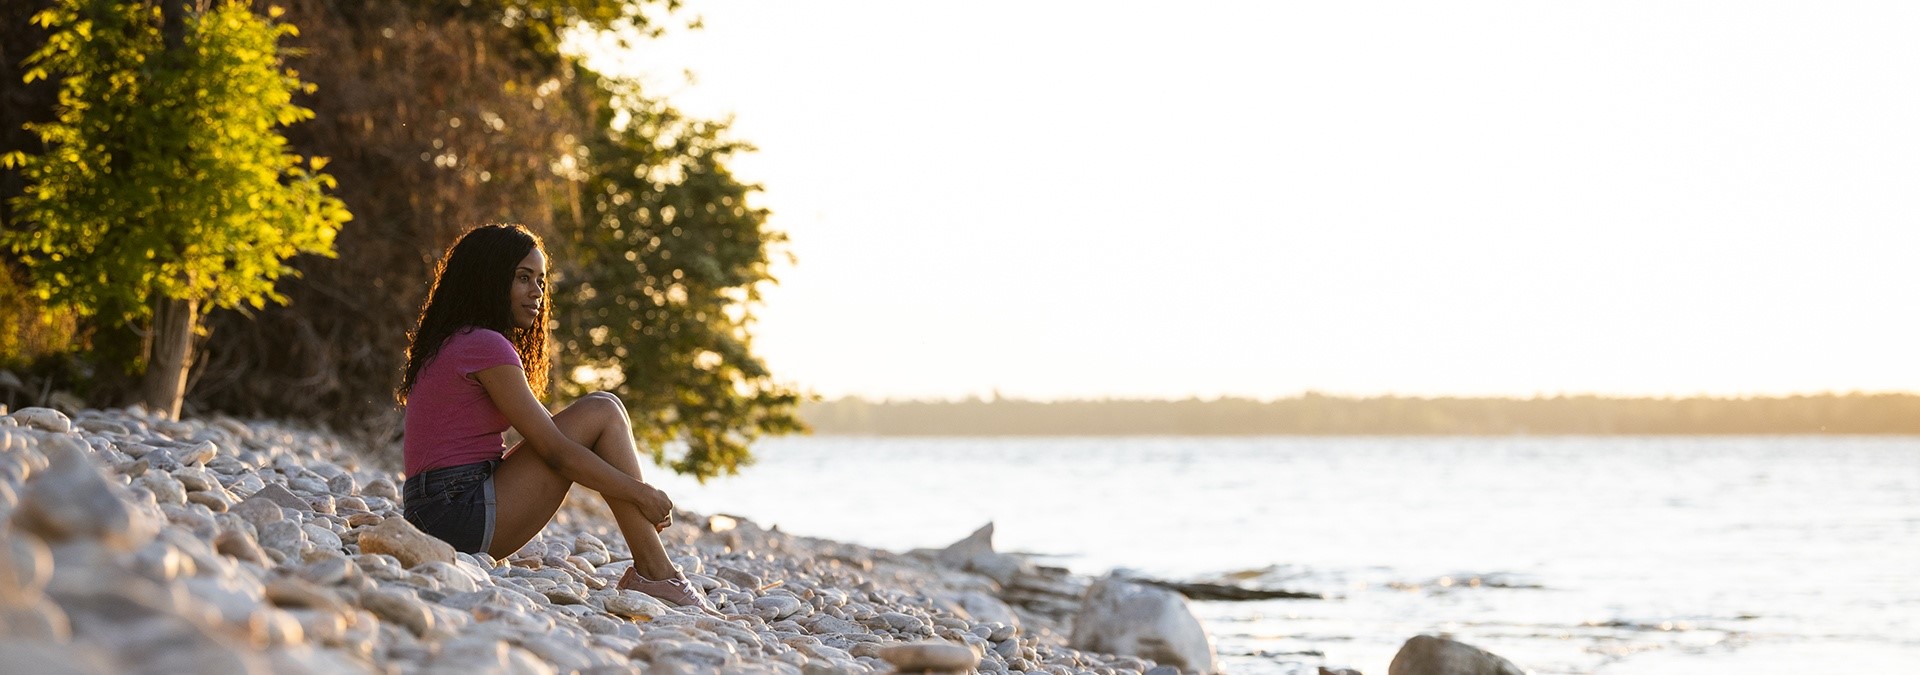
[607, 402]
[598, 411]
[604, 397]
[598, 405]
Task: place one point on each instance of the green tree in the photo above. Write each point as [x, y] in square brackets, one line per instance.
[442, 114]
[165, 189]
[658, 285]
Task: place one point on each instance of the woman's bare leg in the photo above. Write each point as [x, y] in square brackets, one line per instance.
[527, 491]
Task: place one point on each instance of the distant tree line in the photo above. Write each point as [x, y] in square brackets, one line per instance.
[1313, 414]
[429, 116]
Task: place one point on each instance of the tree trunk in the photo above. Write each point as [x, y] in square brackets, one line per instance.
[171, 354]
[173, 23]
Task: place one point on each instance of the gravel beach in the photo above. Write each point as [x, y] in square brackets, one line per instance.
[139, 544]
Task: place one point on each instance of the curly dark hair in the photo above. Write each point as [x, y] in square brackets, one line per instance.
[471, 288]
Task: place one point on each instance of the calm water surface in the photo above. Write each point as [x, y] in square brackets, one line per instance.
[1566, 555]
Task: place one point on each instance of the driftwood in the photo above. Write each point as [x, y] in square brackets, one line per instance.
[1206, 591]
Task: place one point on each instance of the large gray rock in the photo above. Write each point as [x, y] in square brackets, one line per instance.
[1121, 617]
[46, 419]
[72, 499]
[25, 567]
[1435, 655]
[464, 655]
[159, 629]
[975, 554]
[18, 655]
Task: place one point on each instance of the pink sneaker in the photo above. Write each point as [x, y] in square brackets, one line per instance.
[677, 590]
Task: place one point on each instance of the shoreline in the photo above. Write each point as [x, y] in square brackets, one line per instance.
[252, 546]
[1347, 518]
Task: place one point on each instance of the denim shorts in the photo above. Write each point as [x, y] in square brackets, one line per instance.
[454, 503]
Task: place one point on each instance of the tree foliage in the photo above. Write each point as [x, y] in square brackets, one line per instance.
[661, 275]
[436, 120]
[164, 174]
[444, 114]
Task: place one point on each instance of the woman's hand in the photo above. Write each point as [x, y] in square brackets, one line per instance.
[656, 506]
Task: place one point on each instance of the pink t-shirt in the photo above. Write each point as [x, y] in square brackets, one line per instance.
[450, 419]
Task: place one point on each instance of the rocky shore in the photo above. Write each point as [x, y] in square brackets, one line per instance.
[138, 544]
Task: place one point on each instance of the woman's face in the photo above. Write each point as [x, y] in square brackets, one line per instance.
[529, 289]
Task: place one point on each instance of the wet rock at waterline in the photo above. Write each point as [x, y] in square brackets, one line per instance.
[1124, 617]
[975, 554]
[1436, 655]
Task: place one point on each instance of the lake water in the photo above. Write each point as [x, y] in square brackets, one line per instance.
[1566, 555]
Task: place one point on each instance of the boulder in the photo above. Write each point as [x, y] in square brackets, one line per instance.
[20, 655]
[46, 419]
[1118, 616]
[72, 499]
[975, 554]
[398, 538]
[25, 566]
[39, 621]
[958, 553]
[161, 627]
[465, 655]
[1436, 655]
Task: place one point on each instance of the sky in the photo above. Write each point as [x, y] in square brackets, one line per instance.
[1122, 199]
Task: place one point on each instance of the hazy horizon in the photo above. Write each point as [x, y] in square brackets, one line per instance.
[992, 396]
[1859, 413]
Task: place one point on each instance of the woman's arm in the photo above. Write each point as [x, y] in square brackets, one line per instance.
[507, 386]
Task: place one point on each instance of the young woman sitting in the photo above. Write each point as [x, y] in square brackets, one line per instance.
[477, 357]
